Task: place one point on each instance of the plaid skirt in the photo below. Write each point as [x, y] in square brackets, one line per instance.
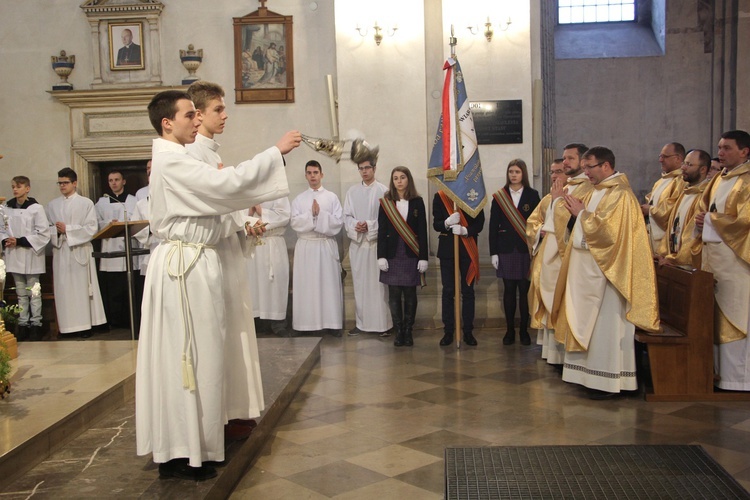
[402, 269]
[514, 265]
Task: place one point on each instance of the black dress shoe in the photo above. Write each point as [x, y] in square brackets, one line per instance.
[510, 338]
[469, 339]
[446, 340]
[22, 333]
[597, 395]
[86, 334]
[180, 469]
[525, 339]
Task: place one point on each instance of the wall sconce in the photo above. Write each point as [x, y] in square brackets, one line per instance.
[488, 31]
[378, 32]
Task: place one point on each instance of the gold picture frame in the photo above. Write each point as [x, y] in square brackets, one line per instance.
[263, 58]
[126, 46]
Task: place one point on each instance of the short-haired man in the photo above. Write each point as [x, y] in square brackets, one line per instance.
[114, 280]
[208, 98]
[546, 230]
[317, 217]
[24, 237]
[724, 218]
[664, 194]
[683, 246]
[715, 168]
[607, 284]
[184, 392]
[73, 223]
[578, 183]
[371, 311]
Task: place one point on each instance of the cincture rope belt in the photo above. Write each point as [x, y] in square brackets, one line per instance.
[188, 373]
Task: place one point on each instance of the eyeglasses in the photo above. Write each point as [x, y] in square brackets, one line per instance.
[664, 157]
[63, 183]
[366, 167]
[592, 167]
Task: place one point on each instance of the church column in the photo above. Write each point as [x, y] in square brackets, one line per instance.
[549, 131]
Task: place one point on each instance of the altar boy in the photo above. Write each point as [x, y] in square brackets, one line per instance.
[25, 234]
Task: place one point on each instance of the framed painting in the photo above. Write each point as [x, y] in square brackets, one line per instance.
[126, 46]
[263, 58]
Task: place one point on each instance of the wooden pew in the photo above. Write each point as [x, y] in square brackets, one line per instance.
[681, 357]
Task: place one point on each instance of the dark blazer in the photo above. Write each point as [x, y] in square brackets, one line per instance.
[503, 238]
[445, 236]
[388, 237]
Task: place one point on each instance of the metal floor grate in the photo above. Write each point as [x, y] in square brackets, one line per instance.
[586, 472]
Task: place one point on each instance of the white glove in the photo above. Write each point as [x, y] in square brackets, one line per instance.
[495, 261]
[422, 266]
[460, 230]
[452, 219]
[383, 265]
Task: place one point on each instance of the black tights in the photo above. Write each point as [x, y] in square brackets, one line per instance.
[513, 287]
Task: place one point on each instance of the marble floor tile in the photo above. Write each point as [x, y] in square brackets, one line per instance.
[390, 488]
[336, 478]
[393, 460]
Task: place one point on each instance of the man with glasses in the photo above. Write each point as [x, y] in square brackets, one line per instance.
[714, 169]
[608, 284]
[664, 194]
[361, 224]
[73, 223]
[546, 229]
[724, 219]
[682, 246]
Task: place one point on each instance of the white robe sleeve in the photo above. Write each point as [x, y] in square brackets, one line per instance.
[79, 234]
[329, 223]
[39, 238]
[302, 219]
[143, 236]
[350, 222]
[278, 214]
[52, 217]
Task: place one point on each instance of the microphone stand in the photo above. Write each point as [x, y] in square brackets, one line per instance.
[128, 265]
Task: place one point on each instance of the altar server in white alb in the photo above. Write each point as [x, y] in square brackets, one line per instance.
[110, 208]
[361, 221]
[317, 302]
[183, 394]
[210, 108]
[24, 236]
[268, 262]
[72, 219]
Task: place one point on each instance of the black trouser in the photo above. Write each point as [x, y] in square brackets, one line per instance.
[114, 290]
[403, 315]
[509, 303]
[449, 296]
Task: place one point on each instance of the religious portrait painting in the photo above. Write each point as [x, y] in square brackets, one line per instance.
[126, 46]
[264, 67]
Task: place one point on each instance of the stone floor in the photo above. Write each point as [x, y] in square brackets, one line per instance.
[373, 420]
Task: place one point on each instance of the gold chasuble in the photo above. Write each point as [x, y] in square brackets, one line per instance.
[614, 236]
[682, 245]
[662, 198]
[726, 252]
[533, 234]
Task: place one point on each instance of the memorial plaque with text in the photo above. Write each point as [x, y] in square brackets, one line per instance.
[498, 122]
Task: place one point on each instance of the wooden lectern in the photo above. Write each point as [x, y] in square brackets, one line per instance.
[124, 229]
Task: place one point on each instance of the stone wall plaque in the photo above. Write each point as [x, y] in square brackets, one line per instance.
[498, 122]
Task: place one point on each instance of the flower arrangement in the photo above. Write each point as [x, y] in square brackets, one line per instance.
[4, 371]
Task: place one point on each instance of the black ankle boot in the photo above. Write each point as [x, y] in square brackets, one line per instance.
[408, 339]
[510, 337]
[400, 336]
[446, 340]
[525, 338]
[36, 333]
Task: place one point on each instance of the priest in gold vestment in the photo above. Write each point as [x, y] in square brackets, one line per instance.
[607, 284]
[663, 197]
[682, 246]
[725, 221]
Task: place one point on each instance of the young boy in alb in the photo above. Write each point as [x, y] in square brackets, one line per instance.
[25, 235]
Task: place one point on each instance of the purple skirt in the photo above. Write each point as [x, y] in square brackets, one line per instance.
[514, 265]
[402, 269]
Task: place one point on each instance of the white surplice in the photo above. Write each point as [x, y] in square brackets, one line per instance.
[108, 210]
[597, 311]
[193, 374]
[372, 313]
[78, 301]
[145, 237]
[317, 301]
[268, 263]
[30, 223]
